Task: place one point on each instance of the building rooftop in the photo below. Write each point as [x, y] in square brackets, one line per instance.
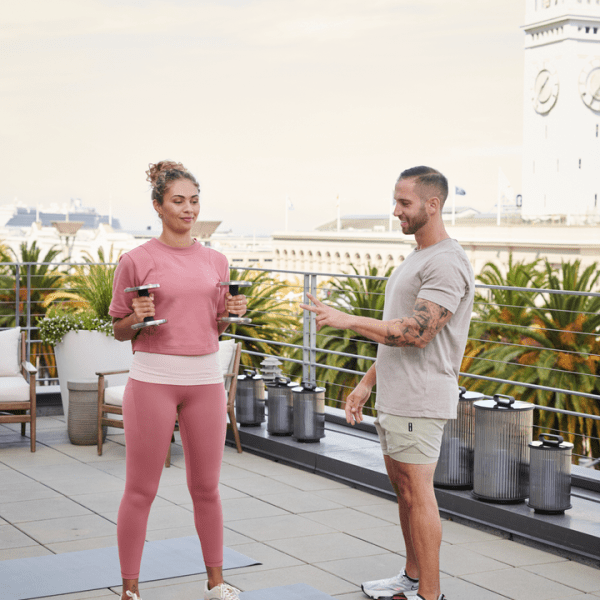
[301, 526]
[25, 217]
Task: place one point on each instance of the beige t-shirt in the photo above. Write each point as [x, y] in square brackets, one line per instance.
[423, 382]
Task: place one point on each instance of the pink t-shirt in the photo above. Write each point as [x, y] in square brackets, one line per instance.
[189, 296]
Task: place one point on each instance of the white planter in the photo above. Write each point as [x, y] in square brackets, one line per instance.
[82, 353]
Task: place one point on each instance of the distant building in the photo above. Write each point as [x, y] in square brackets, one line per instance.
[25, 217]
[382, 223]
[561, 111]
[340, 251]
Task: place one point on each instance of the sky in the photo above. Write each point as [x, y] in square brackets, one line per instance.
[262, 100]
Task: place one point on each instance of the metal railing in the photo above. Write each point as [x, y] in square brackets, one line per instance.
[501, 354]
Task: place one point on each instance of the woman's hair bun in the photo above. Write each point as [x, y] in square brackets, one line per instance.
[154, 170]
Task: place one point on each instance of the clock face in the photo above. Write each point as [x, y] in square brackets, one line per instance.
[589, 84]
[545, 90]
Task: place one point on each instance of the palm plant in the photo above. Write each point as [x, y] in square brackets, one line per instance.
[273, 318]
[90, 287]
[553, 343]
[501, 315]
[43, 278]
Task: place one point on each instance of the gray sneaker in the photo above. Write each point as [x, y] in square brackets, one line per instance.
[386, 588]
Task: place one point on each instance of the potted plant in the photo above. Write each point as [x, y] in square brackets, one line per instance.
[80, 329]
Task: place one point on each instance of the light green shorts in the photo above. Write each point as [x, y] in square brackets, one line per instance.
[413, 440]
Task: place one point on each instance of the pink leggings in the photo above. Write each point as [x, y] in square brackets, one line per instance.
[149, 414]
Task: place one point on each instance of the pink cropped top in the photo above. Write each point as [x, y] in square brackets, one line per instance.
[189, 297]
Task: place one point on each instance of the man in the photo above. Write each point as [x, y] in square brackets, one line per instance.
[422, 338]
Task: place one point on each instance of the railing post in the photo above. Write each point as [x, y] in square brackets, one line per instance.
[309, 332]
[313, 333]
[17, 294]
[306, 329]
[28, 321]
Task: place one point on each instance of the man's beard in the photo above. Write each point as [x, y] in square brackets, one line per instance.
[417, 222]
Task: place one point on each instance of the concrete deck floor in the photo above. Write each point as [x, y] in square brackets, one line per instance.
[301, 526]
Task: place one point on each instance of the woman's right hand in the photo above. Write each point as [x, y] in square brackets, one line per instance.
[143, 306]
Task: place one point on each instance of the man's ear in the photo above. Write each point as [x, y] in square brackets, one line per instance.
[433, 204]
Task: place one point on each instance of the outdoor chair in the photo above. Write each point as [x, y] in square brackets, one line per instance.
[110, 399]
[17, 394]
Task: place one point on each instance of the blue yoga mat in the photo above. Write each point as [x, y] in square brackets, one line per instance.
[298, 591]
[40, 576]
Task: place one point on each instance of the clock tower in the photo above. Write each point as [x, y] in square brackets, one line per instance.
[561, 116]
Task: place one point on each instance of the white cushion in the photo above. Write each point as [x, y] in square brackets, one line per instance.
[226, 353]
[114, 395]
[13, 389]
[9, 352]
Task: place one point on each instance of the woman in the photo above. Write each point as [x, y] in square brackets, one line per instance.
[175, 373]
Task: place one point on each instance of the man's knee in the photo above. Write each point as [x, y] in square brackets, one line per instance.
[412, 483]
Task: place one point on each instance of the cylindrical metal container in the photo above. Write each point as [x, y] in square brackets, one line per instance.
[309, 412]
[82, 422]
[280, 420]
[550, 474]
[455, 465]
[502, 435]
[250, 399]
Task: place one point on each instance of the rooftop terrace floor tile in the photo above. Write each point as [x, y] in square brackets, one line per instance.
[302, 526]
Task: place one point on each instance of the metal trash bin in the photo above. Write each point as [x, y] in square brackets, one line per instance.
[550, 474]
[309, 412]
[280, 418]
[502, 435]
[250, 399]
[455, 465]
[82, 421]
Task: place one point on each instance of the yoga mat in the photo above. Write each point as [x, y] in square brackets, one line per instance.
[40, 576]
[298, 591]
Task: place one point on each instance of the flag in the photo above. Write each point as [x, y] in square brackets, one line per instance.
[290, 206]
[459, 191]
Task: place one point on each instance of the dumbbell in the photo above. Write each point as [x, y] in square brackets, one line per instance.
[142, 290]
[234, 290]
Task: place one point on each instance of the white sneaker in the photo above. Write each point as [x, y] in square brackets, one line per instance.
[386, 588]
[132, 595]
[223, 591]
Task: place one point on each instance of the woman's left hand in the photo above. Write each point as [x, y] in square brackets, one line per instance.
[236, 304]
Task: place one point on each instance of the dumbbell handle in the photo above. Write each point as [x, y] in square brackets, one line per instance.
[234, 290]
[145, 293]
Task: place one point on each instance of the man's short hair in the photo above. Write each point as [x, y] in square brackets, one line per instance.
[428, 183]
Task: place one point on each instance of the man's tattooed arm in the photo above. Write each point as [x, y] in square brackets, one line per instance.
[427, 320]
[417, 330]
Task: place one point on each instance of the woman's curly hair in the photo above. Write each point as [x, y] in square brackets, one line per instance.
[163, 173]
